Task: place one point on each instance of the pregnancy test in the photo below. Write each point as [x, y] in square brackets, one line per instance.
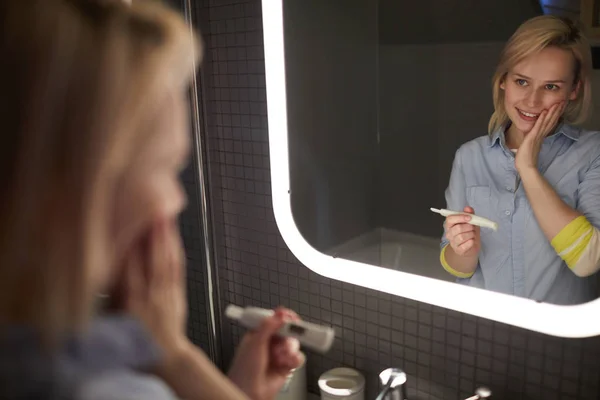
[475, 219]
[316, 337]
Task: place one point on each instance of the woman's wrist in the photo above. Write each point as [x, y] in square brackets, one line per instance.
[528, 172]
[176, 362]
[461, 262]
[193, 376]
[176, 354]
[532, 180]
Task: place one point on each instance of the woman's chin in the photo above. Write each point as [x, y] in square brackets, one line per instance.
[524, 128]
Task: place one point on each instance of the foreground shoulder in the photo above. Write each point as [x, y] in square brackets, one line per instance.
[124, 385]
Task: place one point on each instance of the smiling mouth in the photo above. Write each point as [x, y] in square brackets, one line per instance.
[527, 115]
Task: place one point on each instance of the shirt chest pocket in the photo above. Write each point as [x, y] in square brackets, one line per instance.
[478, 195]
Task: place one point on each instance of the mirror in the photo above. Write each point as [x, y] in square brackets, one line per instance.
[368, 103]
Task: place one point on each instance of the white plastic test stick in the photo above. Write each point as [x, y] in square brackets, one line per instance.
[316, 337]
[475, 219]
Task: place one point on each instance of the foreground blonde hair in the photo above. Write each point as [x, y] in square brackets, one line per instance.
[532, 37]
[82, 81]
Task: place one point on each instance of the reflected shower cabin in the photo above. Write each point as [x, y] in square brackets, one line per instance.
[380, 96]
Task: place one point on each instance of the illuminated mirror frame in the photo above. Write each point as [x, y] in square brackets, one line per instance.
[565, 321]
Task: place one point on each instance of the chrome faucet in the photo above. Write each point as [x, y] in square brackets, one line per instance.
[481, 393]
[393, 381]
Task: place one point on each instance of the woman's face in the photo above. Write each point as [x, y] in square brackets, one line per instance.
[151, 189]
[537, 83]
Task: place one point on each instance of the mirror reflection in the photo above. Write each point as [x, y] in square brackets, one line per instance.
[396, 108]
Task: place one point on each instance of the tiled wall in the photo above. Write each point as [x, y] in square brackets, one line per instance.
[426, 105]
[446, 354]
[451, 21]
[333, 118]
[191, 234]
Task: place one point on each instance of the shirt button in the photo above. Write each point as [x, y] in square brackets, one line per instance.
[507, 212]
[509, 188]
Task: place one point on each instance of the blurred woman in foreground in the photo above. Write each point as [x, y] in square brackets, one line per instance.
[94, 138]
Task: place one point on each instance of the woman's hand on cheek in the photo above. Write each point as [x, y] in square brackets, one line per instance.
[527, 155]
[155, 287]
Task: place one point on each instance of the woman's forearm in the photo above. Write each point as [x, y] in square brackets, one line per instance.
[551, 213]
[192, 376]
[460, 266]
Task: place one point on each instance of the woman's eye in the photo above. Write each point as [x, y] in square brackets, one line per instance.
[552, 86]
[521, 82]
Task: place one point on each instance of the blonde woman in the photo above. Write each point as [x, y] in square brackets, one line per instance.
[537, 174]
[94, 137]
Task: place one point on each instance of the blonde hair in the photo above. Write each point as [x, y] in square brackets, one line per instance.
[82, 81]
[531, 37]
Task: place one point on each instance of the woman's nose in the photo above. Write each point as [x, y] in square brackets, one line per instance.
[533, 100]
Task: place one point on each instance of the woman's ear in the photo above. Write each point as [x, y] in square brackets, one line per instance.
[502, 85]
[575, 91]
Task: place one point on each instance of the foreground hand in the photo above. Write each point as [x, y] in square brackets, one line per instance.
[263, 361]
[155, 287]
[463, 237]
[527, 156]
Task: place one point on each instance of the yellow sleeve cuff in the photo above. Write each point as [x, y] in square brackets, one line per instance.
[449, 269]
[573, 239]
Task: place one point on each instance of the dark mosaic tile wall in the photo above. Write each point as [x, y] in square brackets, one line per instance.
[446, 354]
[191, 232]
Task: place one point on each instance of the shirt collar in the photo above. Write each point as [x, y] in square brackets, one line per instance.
[497, 136]
[572, 132]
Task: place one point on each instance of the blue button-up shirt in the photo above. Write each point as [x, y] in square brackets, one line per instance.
[518, 259]
[101, 364]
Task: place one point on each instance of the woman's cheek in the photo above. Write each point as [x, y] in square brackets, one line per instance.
[157, 197]
[136, 206]
[170, 199]
[558, 97]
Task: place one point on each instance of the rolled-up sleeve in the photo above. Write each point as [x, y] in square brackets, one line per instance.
[455, 200]
[578, 243]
